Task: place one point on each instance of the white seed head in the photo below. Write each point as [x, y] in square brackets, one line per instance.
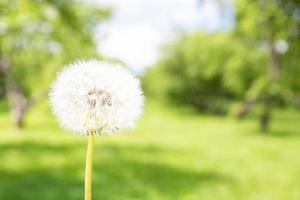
[95, 97]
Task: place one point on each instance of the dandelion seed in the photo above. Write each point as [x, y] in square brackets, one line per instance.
[94, 96]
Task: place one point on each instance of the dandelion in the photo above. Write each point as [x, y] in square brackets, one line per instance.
[94, 97]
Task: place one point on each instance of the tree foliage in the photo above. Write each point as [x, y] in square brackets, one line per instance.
[208, 69]
[255, 62]
[39, 36]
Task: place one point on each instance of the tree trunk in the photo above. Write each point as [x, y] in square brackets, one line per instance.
[17, 100]
[245, 108]
[265, 117]
[18, 104]
[273, 74]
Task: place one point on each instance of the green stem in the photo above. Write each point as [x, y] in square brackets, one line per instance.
[88, 168]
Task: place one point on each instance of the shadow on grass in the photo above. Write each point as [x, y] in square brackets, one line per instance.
[284, 133]
[118, 176]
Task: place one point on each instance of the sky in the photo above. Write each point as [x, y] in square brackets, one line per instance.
[137, 28]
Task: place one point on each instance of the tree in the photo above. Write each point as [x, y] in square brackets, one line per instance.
[36, 37]
[206, 70]
[273, 25]
[256, 62]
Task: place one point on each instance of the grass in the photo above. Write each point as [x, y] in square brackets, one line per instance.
[173, 154]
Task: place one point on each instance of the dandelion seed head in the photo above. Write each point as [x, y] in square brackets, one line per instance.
[95, 97]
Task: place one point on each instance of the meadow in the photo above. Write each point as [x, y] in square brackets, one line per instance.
[173, 154]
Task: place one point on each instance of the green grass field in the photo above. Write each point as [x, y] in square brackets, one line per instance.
[173, 154]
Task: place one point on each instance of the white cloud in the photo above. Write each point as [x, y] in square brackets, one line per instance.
[135, 44]
[138, 27]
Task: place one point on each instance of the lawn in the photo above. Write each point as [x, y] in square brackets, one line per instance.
[173, 154]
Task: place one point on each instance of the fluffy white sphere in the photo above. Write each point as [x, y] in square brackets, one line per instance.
[94, 97]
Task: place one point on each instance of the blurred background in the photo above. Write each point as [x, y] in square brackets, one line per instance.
[221, 78]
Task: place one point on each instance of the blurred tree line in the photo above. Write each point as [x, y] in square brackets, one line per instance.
[257, 62]
[36, 37]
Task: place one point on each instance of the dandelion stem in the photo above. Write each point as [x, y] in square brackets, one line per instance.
[88, 168]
